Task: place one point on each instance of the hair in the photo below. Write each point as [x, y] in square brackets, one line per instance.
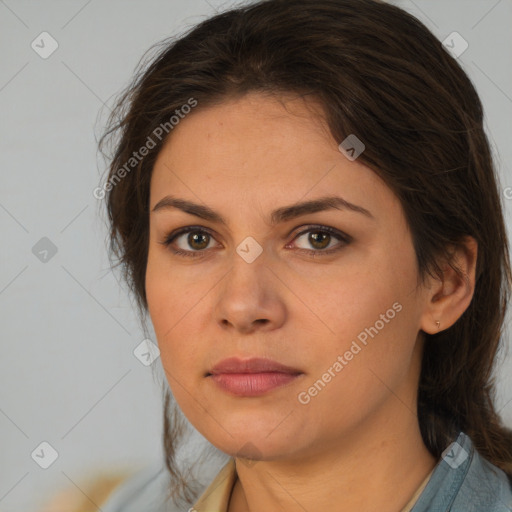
[380, 74]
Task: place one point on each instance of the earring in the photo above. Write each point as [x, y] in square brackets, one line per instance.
[438, 323]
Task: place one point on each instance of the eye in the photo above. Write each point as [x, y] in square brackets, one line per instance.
[197, 239]
[193, 241]
[321, 238]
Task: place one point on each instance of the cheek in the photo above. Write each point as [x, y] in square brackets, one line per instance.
[175, 303]
[352, 296]
[368, 357]
[367, 313]
[163, 305]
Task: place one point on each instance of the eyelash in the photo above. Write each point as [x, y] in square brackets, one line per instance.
[342, 237]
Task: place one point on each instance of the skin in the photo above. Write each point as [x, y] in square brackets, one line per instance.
[356, 445]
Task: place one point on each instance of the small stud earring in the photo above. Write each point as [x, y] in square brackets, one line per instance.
[438, 323]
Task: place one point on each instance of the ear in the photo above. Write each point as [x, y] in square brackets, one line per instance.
[447, 298]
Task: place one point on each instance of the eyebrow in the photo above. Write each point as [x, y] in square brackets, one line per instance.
[279, 215]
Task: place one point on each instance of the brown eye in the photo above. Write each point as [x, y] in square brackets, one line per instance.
[319, 240]
[189, 242]
[198, 240]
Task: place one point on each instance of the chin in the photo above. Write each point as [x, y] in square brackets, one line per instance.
[255, 445]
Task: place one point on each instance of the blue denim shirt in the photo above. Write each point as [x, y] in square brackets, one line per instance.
[462, 481]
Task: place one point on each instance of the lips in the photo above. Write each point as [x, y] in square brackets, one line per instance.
[251, 377]
[254, 365]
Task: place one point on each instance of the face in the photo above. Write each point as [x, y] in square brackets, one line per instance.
[329, 291]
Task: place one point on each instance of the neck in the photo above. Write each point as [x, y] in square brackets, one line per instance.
[377, 466]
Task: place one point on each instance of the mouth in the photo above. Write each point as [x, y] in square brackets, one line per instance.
[251, 377]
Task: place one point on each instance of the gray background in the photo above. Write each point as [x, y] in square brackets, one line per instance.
[68, 373]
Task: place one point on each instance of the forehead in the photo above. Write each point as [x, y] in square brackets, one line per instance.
[250, 128]
[261, 151]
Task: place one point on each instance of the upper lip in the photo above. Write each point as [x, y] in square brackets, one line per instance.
[253, 365]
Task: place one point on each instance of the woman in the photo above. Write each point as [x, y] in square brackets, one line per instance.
[303, 199]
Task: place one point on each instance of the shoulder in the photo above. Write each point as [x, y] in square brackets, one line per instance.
[463, 481]
[485, 487]
[146, 490]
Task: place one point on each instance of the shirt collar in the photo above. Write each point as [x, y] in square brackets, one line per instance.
[217, 494]
[449, 474]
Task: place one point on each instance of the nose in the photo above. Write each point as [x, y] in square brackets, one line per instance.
[250, 298]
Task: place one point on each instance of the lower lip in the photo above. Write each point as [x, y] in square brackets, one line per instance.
[252, 384]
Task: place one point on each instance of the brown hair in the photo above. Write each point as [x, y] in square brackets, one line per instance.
[382, 75]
